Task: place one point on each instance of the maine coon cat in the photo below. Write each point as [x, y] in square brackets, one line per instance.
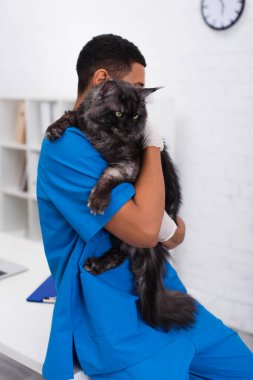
[113, 117]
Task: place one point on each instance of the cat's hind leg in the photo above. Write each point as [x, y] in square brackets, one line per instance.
[109, 260]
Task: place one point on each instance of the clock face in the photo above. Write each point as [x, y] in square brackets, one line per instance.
[221, 14]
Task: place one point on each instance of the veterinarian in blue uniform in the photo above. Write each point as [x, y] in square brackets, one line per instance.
[98, 313]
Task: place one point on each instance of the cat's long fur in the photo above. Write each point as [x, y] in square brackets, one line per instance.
[119, 139]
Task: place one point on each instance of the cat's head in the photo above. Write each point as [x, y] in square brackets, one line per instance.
[116, 107]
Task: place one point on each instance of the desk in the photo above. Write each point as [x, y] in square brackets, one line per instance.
[25, 326]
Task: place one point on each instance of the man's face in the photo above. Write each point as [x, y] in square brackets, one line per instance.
[136, 76]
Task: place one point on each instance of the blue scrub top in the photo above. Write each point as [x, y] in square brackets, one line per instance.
[97, 313]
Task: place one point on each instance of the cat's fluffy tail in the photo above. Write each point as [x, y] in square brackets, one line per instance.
[160, 306]
[173, 309]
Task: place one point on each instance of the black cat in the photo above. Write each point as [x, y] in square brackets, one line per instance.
[113, 117]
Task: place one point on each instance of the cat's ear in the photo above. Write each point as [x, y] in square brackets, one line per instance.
[144, 92]
[109, 87]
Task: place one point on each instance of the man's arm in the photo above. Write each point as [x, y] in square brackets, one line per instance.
[138, 221]
[134, 213]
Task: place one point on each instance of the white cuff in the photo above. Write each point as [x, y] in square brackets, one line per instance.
[152, 136]
[168, 228]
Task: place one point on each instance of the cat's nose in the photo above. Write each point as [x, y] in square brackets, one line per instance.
[129, 127]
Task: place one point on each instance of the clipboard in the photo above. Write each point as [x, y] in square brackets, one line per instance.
[45, 292]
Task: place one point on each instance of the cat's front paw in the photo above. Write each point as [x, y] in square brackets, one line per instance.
[53, 133]
[56, 129]
[98, 201]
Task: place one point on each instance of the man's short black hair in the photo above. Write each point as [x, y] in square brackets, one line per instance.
[110, 52]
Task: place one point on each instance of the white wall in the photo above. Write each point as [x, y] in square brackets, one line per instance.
[209, 77]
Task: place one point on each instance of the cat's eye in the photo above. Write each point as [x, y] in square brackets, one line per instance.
[135, 116]
[119, 114]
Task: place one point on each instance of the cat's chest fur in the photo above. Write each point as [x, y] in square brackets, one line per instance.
[123, 159]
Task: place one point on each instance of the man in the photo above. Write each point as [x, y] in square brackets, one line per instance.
[97, 315]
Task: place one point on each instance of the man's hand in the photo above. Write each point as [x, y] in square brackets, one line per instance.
[178, 236]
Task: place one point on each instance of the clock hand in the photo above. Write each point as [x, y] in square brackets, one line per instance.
[222, 6]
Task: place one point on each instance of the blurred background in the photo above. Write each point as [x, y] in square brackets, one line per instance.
[205, 111]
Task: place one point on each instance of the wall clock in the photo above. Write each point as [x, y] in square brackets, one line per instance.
[221, 14]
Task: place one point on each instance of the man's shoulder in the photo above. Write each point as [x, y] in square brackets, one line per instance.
[73, 140]
[70, 133]
[73, 148]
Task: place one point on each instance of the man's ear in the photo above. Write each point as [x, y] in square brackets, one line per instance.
[144, 92]
[99, 77]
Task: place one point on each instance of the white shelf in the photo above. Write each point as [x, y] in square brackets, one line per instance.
[24, 122]
[15, 192]
[13, 145]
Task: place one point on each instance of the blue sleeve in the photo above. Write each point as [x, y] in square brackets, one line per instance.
[70, 167]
